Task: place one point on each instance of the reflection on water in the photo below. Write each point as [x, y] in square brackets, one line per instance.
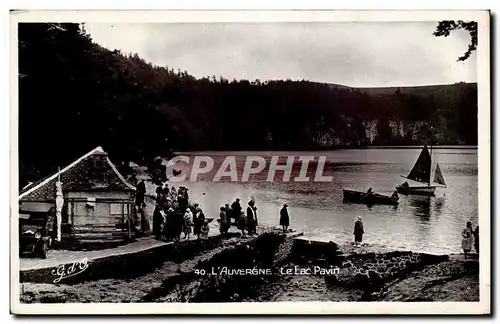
[421, 205]
[419, 223]
[438, 205]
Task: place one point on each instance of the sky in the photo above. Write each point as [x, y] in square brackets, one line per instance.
[357, 54]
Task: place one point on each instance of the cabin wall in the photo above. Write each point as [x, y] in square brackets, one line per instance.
[110, 208]
[103, 219]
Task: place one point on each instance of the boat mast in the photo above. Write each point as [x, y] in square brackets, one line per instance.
[429, 184]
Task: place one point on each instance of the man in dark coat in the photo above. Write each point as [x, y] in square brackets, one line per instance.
[200, 220]
[140, 193]
[183, 198]
[251, 218]
[358, 231]
[236, 207]
[284, 218]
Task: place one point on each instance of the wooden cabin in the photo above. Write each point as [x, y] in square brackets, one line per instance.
[98, 201]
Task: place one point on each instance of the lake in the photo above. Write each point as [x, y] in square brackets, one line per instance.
[421, 224]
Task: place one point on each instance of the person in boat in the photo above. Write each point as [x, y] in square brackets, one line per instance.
[358, 231]
[186, 228]
[405, 184]
[284, 218]
[369, 191]
[395, 196]
[476, 239]
[467, 239]
[236, 207]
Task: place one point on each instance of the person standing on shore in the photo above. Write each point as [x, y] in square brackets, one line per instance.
[467, 239]
[254, 207]
[204, 230]
[194, 211]
[476, 239]
[200, 220]
[358, 231]
[229, 214]
[166, 190]
[251, 218]
[144, 219]
[242, 223]
[236, 207]
[186, 228]
[141, 192]
[182, 198]
[224, 221]
[284, 218]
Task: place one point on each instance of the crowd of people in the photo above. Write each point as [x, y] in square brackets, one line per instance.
[174, 215]
[235, 215]
[169, 202]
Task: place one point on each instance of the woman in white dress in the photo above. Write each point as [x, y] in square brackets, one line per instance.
[467, 238]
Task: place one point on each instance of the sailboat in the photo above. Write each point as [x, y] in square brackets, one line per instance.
[421, 172]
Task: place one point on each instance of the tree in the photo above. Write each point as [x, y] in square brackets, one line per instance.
[445, 27]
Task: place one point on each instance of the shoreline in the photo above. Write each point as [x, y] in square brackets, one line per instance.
[172, 273]
[335, 148]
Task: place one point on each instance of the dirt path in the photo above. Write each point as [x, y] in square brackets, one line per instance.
[58, 257]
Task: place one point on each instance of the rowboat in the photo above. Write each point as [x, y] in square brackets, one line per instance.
[421, 172]
[359, 197]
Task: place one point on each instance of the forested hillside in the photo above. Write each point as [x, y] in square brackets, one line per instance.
[75, 95]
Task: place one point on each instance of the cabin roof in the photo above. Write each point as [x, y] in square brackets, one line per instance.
[77, 176]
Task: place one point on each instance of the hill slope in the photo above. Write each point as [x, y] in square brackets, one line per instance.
[75, 95]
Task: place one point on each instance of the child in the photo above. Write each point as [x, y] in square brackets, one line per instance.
[242, 224]
[186, 228]
[204, 230]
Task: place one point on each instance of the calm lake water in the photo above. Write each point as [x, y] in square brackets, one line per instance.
[316, 208]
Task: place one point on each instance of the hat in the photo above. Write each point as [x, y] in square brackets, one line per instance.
[360, 218]
[285, 205]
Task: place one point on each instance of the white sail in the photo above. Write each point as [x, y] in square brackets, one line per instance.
[438, 177]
